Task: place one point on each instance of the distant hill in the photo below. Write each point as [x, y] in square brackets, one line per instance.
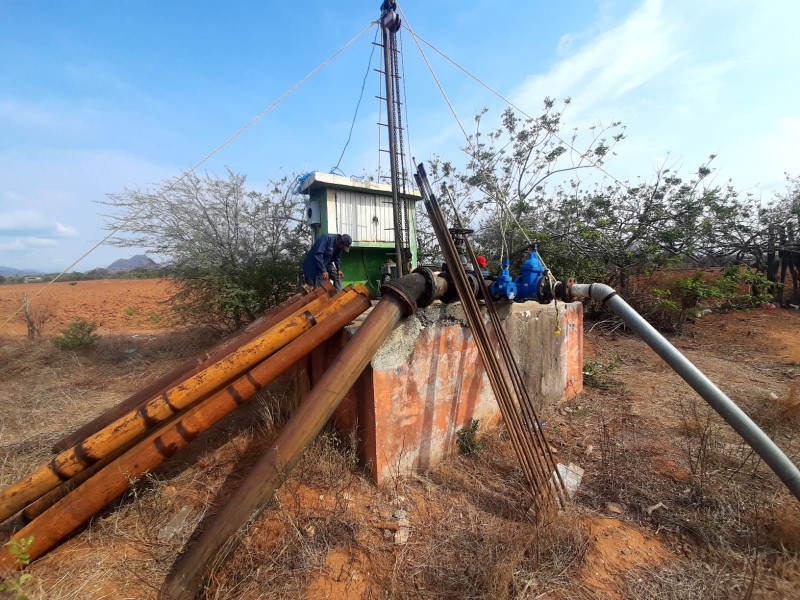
[140, 261]
[12, 272]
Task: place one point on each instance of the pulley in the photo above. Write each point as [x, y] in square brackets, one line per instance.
[390, 20]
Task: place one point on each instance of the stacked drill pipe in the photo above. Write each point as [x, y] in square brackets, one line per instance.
[127, 428]
[162, 385]
[533, 451]
[54, 524]
[195, 365]
[400, 297]
[137, 422]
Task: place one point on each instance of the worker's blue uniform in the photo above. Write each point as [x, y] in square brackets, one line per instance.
[324, 257]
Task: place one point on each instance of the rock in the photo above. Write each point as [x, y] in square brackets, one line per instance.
[175, 525]
[401, 535]
[615, 508]
[403, 526]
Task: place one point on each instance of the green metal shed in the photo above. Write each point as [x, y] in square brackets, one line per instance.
[362, 209]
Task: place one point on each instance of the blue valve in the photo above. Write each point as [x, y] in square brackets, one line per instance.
[503, 287]
[528, 283]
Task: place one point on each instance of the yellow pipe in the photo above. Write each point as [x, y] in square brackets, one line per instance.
[194, 365]
[131, 426]
[57, 522]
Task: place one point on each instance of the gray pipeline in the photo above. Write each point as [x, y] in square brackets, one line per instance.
[780, 464]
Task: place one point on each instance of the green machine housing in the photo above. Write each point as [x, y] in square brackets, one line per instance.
[362, 209]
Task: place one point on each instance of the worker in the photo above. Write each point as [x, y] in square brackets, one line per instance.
[323, 261]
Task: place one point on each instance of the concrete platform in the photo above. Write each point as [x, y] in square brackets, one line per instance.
[427, 380]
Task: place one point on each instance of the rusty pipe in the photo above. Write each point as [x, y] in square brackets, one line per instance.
[273, 468]
[194, 365]
[77, 507]
[136, 423]
[36, 508]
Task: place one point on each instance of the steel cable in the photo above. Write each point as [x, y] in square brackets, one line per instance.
[252, 121]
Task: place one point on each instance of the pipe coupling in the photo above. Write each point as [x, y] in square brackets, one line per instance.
[563, 290]
[429, 294]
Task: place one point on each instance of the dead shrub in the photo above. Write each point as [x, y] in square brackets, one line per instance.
[689, 580]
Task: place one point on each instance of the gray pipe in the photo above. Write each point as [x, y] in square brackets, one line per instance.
[716, 398]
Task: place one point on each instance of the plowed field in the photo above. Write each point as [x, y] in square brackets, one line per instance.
[117, 305]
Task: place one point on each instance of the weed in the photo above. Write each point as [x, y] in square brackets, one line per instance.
[131, 312]
[79, 335]
[688, 579]
[701, 441]
[614, 467]
[684, 300]
[467, 438]
[595, 373]
[36, 316]
[20, 550]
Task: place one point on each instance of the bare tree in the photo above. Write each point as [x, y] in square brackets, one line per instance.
[36, 316]
[232, 252]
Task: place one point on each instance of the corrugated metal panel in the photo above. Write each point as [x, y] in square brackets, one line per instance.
[366, 217]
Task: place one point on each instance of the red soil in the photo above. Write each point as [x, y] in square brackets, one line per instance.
[117, 305]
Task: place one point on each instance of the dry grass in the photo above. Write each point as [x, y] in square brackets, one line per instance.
[728, 530]
[329, 533]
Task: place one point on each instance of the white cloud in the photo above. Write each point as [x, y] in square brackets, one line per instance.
[26, 243]
[66, 230]
[11, 196]
[608, 66]
[22, 113]
[62, 195]
[12, 246]
[28, 220]
[39, 242]
[687, 80]
[769, 154]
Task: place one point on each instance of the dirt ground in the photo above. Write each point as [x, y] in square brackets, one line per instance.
[672, 504]
[116, 305]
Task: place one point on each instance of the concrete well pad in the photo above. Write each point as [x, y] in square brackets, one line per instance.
[427, 380]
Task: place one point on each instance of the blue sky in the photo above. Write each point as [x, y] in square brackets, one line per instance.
[99, 96]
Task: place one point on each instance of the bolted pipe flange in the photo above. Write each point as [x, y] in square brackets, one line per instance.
[396, 291]
[545, 294]
[474, 284]
[563, 290]
[429, 295]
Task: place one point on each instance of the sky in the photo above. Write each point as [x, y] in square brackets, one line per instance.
[99, 97]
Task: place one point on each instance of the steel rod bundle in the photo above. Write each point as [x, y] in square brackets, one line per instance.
[137, 422]
[532, 450]
[109, 483]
